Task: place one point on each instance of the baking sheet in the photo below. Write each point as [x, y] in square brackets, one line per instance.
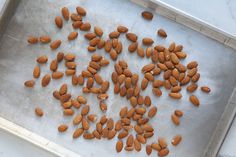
[17, 60]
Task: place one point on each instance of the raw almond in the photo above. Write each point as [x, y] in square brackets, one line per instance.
[122, 29]
[205, 89]
[38, 111]
[75, 17]
[162, 66]
[90, 36]
[178, 48]
[110, 124]
[163, 152]
[46, 80]
[68, 112]
[98, 31]
[119, 47]
[32, 40]
[111, 134]
[29, 83]
[157, 83]
[147, 101]
[55, 44]
[134, 79]
[176, 89]
[167, 74]
[58, 22]
[156, 146]
[141, 139]
[162, 33]
[114, 34]
[108, 46]
[140, 52]
[132, 37]
[77, 119]
[171, 47]
[101, 44]
[179, 113]
[57, 75]
[119, 146]
[192, 65]
[154, 56]
[147, 15]
[148, 149]
[162, 142]
[96, 134]
[148, 67]
[137, 145]
[88, 136]
[156, 92]
[92, 117]
[149, 51]
[113, 55]
[147, 41]
[130, 140]
[81, 11]
[105, 86]
[45, 39]
[192, 72]
[53, 65]
[65, 13]
[94, 41]
[63, 89]
[196, 77]
[175, 95]
[192, 87]
[85, 124]
[174, 58]
[91, 48]
[82, 99]
[56, 95]
[152, 112]
[167, 84]
[69, 57]
[65, 97]
[122, 134]
[72, 35]
[144, 84]
[176, 140]
[36, 72]
[181, 55]
[85, 26]
[185, 80]
[42, 59]
[60, 56]
[78, 132]
[175, 119]
[133, 47]
[85, 110]
[149, 76]
[194, 100]
[62, 128]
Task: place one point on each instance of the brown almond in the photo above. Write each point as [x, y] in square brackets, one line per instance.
[70, 65]
[147, 101]
[101, 44]
[72, 35]
[147, 15]
[65, 97]
[90, 36]
[60, 56]
[103, 119]
[42, 59]
[192, 72]
[123, 112]
[141, 139]
[144, 84]
[98, 31]
[140, 52]
[81, 11]
[176, 140]
[156, 71]
[55, 44]
[29, 83]
[85, 26]
[108, 46]
[36, 72]
[157, 92]
[194, 100]
[147, 41]
[78, 132]
[137, 145]
[88, 136]
[163, 152]
[156, 146]
[75, 103]
[181, 55]
[192, 87]
[65, 13]
[175, 95]
[63, 89]
[196, 77]
[54, 65]
[148, 68]
[91, 48]
[154, 56]
[68, 112]
[82, 99]
[70, 72]
[77, 119]
[111, 134]
[148, 52]
[133, 47]
[149, 76]
[185, 80]
[171, 47]
[85, 124]
[162, 33]
[148, 149]
[152, 112]
[130, 140]
[85, 110]
[113, 55]
[132, 37]
[62, 128]
[173, 81]
[92, 117]
[58, 22]
[179, 113]
[80, 80]
[45, 39]
[38, 111]
[94, 41]
[205, 89]
[98, 79]
[176, 89]
[175, 119]
[122, 29]
[178, 48]
[122, 134]
[119, 47]
[118, 126]
[57, 75]
[192, 65]
[110, 124]
[96, 57]
[69, 57]
[96, 134]
[103, 106]
[134, 79]
[32, 40]
[114, 34]
[162, 142]
[105, 86]
[162, 66]
[46, 80]
[174, 58]
[75, 17]
[119, 146]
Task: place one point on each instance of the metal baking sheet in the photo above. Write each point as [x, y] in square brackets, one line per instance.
[17, 59]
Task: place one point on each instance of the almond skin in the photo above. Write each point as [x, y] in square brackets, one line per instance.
[58, 22]
[38, 111]
[132, 37]
[55, 44]
[65, 13]
[45, 39]
[147, 15]
[62, 128]
[194, 100]
[81, 11]
[176, 140]
[36, 72]
[32, 40]
[147, 41]
[46, 80]
[205, 89]
[119, 146]
[162, 33]
[122, 29]
[72, 35]
[69, 57]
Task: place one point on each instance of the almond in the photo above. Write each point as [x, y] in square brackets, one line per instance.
[134, 79]
[105, 86]
[133, 47]
[156, 146]
[91, 48]
[181, 77]
[167, 84]
[60, 56]
[67, 105]
[178, 48]
[46, 80]
[45, 39]
[85, 110]
[96, 134]
[122, 134]
[75, 17]
[36, 72]
[111, 134]
[101, 44]
[149, 51]
[140, 52]
[130, 140]
[98, 31]
[147, 101]
[180, 67]
[69, 57]
[38, 111]
[162, 33]
[192, 72]
[205, 89]
[192, 87]
[128, 82]
[114, 34]
[77, 119]
[156, 71]
[169, 65]
[148, 134]
[149, 76]
[78, 132]
[196, 77]
[148, 68]
[56, 95]
[63, 89]
[98, 79]
[148, 149]
[181, 55]
[94, 41]
[82, 99]
[90, 36]
[72, 35]
[179, 113]
[137, 145]
[32, 40]
[163, 152]
[154, 56]
[88, 136]
[118, 126]
[162, 66]
[175, 119]
[119, 146]
[147, 41]
[141, 139]
[173, 81]
[55, 44]
[103, 119]
[152, 112]
[92, 117]
[58, 21]
[174, 58]
[122, 29]
[157, 83]
[176, 140]
[133, 101]
[194, 100]
[29, 83]
[175, 95]
[70, 72]
[108, 46]
[85, 124]
[147, 15]
[161, 57]
[144, 84]
[113, 55]
[157, 92]
[65, 13]
[62, 128]
[57, 75]
[81, 11]
[65, 97]
[185, 81]
[110, 124]
[132, 37]
[192, 65]
[85, 26]
[53, 65]
[167, 74]
[68, 112]
[70, 65]
[176, 89]
[42, 59]
[119, 47]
